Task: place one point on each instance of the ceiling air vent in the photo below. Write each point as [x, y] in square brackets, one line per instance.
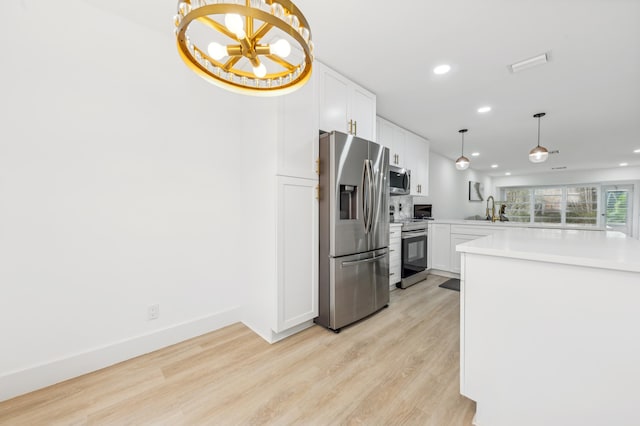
[559, 168]
[529, 63]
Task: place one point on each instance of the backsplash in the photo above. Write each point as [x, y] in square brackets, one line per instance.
[402, 207]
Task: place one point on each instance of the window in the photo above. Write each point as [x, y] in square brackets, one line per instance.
[570, 205]
[518, 203]
[582, 205]
[547, 205]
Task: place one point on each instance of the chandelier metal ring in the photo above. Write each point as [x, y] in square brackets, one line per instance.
[282, 15]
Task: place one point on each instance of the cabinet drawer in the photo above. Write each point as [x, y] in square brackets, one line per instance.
[475, 230]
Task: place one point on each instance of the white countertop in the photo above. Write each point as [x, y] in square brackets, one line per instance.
[607, 250]
[516, 224]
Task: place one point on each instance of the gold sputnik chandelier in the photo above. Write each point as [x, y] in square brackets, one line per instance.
[258, 47]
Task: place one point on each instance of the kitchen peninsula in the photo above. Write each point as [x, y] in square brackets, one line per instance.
[549, 327]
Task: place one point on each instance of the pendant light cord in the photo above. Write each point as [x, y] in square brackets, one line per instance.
[462, 153]
[539, 131]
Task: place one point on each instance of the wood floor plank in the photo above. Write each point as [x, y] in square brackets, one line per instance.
[397, 367]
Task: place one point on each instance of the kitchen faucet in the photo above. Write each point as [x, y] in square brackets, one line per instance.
[493, 209]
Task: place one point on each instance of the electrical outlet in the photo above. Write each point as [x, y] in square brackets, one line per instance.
[153, 312]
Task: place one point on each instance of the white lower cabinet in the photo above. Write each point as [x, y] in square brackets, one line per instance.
[440, 235]
[395, 254]
[297, 252]
[443, 239]
[455, 256]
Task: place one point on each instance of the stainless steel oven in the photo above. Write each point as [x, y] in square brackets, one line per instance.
[414, 253]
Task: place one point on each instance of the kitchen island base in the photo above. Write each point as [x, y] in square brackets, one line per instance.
[549, 343]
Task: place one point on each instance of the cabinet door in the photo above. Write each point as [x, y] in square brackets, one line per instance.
[334, 99]
[362, 110]
[385, 137]
[395, 255]
[298, 132]
[297, 252]
[440, 236]
[455, 256]
[399, 144]
[417, 160]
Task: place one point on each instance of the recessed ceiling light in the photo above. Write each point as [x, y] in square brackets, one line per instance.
[442, 69]
[475, 154]
[508, 174]
[624, 164]
[637, 151]
[494, 166]
[484, 109]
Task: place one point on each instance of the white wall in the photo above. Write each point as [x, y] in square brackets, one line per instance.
[449, 189]
[620, 175]
[125, 180]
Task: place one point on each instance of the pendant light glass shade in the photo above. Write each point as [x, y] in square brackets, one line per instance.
[463, 162]
[539, 154]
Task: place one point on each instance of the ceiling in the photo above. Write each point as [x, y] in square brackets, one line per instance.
[590, 88]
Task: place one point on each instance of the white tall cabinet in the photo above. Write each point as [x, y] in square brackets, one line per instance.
[344, 105]
[329, 101]
[296, 292]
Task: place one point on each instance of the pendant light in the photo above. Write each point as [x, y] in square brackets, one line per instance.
[539, 154]
[463, 162]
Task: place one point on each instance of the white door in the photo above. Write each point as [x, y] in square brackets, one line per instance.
[617, 208]
[297, 248]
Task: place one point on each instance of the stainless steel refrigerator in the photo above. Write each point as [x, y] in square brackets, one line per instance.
[354, 229]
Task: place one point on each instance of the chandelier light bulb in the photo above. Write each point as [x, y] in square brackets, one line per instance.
[217, 51]
[260, 71]
[281, 48]
[233, 22]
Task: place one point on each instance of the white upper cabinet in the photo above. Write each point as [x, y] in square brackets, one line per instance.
[363, 113]
[298, 132]
[393, 137]
[344, 105]
[417, 160]
[407, 150]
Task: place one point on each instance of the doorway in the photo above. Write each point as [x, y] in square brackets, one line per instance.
[617, 208]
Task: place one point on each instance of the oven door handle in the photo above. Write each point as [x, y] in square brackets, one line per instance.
[358, 262]
[413, 234]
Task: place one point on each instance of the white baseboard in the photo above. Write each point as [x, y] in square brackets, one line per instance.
[443, 273]
[20, 382]
[271, 336]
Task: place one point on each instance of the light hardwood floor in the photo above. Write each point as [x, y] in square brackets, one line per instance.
[399, 366]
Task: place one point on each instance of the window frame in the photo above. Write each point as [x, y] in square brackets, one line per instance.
[563, 202]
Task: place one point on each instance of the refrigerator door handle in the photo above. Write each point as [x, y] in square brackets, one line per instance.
[358, 262]
[371, 195]
[365, 195]
[374, 196]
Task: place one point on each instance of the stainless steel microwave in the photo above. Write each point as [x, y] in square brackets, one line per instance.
[399, 181]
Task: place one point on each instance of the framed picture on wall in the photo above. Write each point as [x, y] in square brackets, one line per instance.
[476, 191]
